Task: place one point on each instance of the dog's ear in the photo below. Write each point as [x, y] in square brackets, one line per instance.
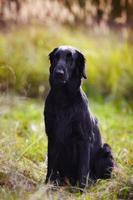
[51, 54]
[81, 64]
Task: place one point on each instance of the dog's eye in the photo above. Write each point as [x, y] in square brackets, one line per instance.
[69, 55]
[56, 58]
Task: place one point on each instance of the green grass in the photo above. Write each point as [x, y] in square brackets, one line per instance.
[23, 147]
[24, 62]
[24, 69]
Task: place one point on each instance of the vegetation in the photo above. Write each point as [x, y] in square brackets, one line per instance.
[24, 69]
[23, 147]
[85, 12]
[24, 65]
[100, 10]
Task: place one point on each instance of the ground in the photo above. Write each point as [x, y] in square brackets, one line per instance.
[23, 145]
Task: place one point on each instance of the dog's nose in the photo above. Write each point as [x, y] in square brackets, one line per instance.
[59, 73]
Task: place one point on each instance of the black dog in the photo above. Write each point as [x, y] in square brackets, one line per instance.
[75, 149]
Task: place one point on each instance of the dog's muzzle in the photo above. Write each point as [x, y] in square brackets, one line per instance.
[59, 76]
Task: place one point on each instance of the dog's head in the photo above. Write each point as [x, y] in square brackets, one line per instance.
[66, 63]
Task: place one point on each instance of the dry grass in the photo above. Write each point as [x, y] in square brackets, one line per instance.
[23, 149]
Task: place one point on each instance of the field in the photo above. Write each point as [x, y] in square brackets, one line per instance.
[24, 65]
[24, 69]
[23, 147]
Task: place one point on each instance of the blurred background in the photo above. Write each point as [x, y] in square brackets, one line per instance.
[29, 30]
[101, 29]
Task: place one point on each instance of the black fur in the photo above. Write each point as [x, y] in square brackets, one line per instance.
[75, 149]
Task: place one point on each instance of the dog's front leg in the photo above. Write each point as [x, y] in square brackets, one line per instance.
[84, 163]
[52, 162]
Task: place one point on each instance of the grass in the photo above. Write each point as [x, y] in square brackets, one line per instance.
[23, 147]
[24, 60]
[24, 69]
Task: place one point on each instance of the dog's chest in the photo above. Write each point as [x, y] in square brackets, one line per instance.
[63, 122]
[64, 116]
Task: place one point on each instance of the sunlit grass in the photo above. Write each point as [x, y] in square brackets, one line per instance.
[23, 147]
[24, 65]
[24, 69]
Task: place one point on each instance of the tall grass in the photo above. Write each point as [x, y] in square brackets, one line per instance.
[24, 62]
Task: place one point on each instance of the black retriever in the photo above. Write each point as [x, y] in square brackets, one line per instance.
[75, 149]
